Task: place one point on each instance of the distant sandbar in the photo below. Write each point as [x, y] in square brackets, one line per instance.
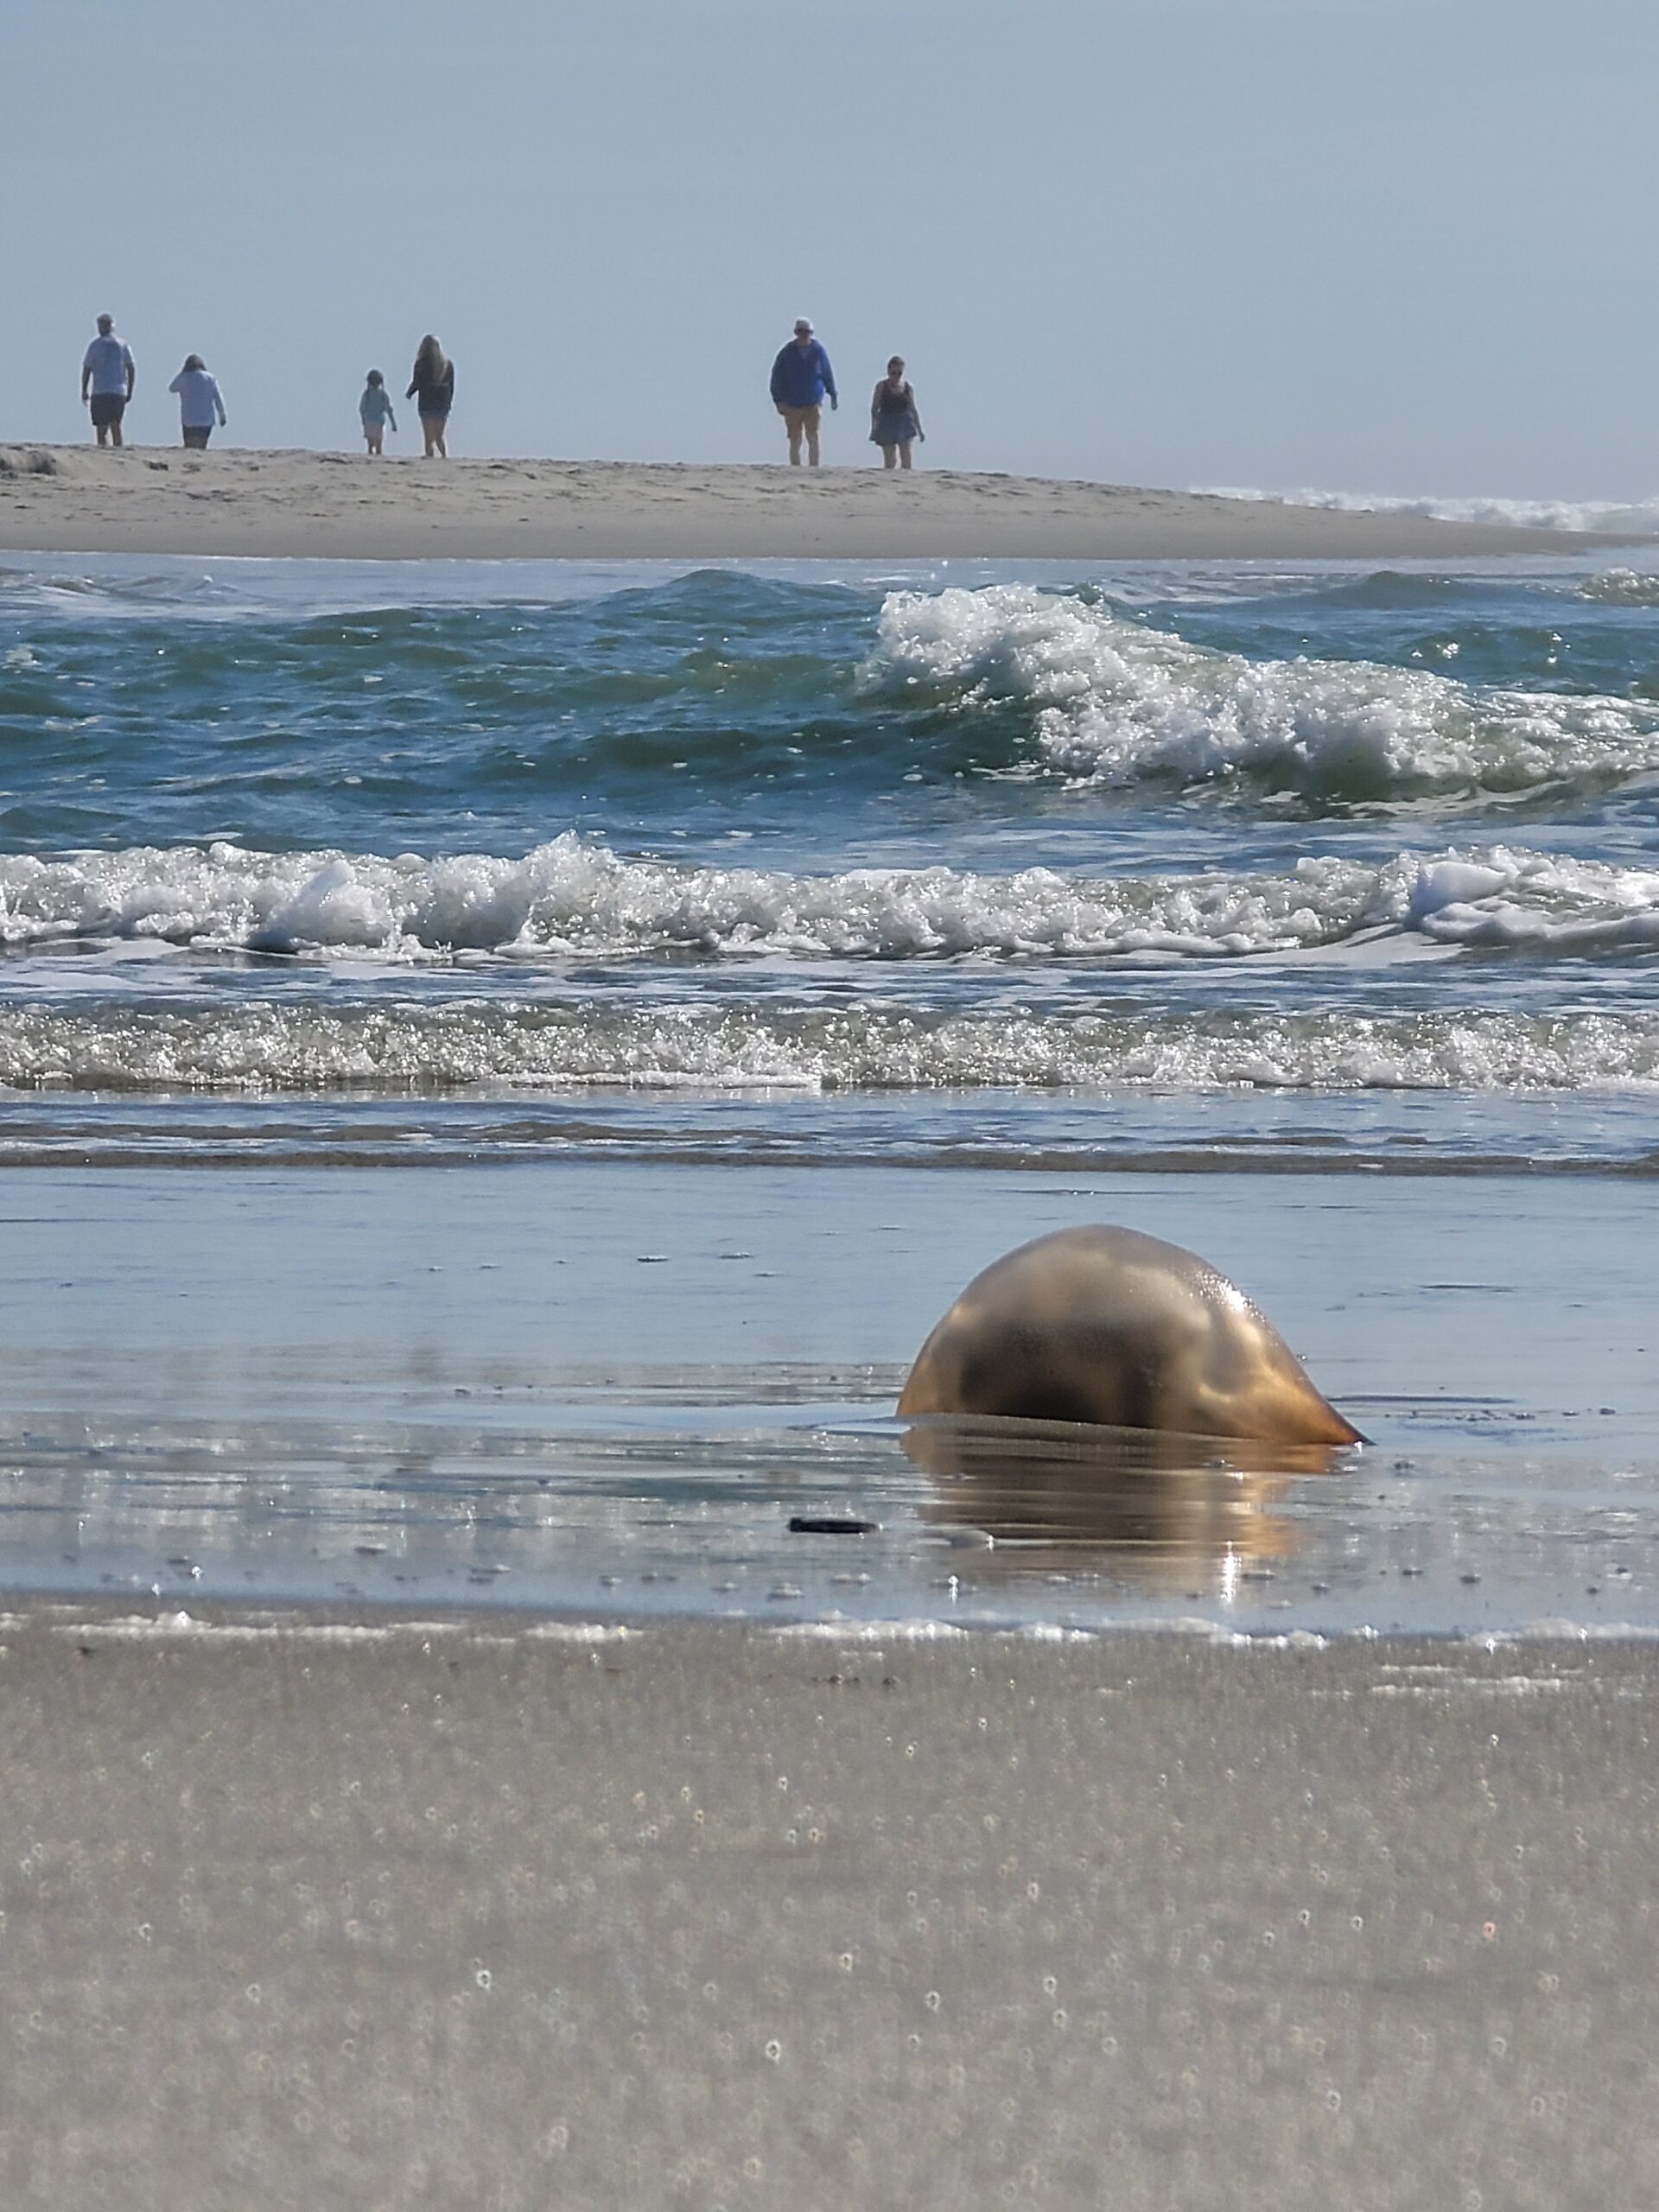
[78, 500]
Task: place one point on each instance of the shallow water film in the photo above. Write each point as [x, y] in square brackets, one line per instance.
[743, 959]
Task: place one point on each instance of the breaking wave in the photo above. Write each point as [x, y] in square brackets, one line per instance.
[577, 899]
[1622, 587]
[1614, 517]
[657, 712]
[1116, 702]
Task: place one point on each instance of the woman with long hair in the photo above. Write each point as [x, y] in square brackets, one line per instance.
[432, 388]
[199, 402]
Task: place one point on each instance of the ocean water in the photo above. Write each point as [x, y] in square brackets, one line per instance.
[658, 918]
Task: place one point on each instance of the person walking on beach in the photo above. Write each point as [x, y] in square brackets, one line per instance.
[374, 410]
[199, 402]
[432, 388]
[895, 419]
[107, 378]
[801, 376]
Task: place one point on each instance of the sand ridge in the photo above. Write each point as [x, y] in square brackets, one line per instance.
[235, 501]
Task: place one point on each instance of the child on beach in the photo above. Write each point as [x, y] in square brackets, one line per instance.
[375, 408]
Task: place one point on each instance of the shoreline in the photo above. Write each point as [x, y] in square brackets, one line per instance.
[332, 1912]
[234, 501]
[607, 1388]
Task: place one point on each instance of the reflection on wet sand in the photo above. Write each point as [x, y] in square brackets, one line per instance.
[1169, 1511]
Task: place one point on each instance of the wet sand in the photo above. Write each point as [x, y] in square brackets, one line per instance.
[76, 498]
[510, 1916]
[602, 1388]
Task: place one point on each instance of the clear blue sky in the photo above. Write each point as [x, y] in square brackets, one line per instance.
[1391, 245]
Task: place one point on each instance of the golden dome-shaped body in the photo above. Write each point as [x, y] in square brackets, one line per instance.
[1105, 1325]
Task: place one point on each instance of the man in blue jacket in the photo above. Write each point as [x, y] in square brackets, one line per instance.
[801, 376]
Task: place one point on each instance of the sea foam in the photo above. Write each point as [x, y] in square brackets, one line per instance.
[574, 898]
[1622, 587]
[255, 1046]
[1616, 516]
[1117, 701]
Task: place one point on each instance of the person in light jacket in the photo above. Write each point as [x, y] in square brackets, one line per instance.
[432, 387]
[107, 378]
[199, 402]
[801, 377]
[374, 411]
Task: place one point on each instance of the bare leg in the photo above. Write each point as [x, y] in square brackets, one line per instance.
[115, 434]
[889, 456]
[904, 455]
[102, 434]
[812, 445]
[443, 450]
[794, 445]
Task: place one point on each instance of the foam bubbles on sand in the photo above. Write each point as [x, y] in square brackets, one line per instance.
[1117, 702]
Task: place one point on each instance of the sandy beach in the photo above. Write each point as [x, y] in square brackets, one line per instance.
[428, 1903]
[501, 1072]
[70, 499]
[532, 984]
[301, 1912]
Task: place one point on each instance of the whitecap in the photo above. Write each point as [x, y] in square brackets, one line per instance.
[575, 899]
[1616, 518]
[1115, 702]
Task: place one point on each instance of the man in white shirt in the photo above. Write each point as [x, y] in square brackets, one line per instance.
[107, 377]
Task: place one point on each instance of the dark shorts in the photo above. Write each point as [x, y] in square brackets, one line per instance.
[434, 410]
[196, 434]
[108, 408]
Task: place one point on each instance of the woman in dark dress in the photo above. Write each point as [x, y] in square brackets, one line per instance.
[895, 419]
[432, 388]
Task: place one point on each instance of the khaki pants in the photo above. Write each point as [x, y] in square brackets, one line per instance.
[798, 422]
